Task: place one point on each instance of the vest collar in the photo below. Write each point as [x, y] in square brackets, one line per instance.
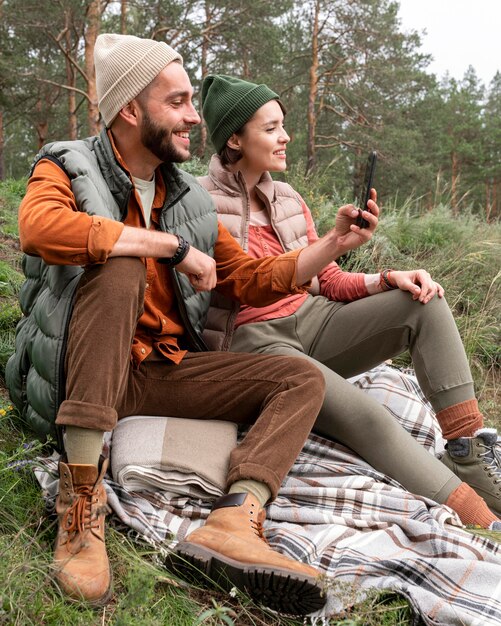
[176, 186]
[234, 184]
[118, 179]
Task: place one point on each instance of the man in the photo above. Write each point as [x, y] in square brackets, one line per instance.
[152, 250]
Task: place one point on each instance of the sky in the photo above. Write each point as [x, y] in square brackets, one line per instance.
[459, 33]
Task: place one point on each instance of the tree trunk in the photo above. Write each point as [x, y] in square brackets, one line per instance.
[71, 80]
[489, 184]
[454, 183]
[2, 158]
[41, 126]
[312, 93]
[494, 203]
[91, 33]
[203, 62]
[123, 17]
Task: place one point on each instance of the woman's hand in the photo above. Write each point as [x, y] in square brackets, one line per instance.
[350, 236]
[345, 236]
[418, 282]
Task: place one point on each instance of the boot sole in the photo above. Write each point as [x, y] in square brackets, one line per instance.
[278, 589]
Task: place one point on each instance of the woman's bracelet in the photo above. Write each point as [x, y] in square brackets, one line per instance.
[384, 281]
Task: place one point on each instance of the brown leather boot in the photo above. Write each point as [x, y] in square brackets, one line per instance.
[82, 566]
[230, 549]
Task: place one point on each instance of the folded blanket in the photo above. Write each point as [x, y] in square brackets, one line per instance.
[358, 526]
[176, 455]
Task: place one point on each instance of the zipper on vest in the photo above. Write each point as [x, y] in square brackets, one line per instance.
[125, 212]
[194, 338]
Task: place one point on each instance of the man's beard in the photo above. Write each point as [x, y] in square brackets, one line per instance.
[159, 141]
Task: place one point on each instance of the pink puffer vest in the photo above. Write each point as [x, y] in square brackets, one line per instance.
[231, 198]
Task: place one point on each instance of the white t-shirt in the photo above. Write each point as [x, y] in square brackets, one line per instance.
[146, 191]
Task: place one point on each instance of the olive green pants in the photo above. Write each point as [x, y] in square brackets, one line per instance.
[348, 339]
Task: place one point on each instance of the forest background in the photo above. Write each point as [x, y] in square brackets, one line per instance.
[351, 79]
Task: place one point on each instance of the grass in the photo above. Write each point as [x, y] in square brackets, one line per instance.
[11, 277]
[462, 254]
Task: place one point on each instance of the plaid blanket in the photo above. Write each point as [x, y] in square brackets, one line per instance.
[358, 526]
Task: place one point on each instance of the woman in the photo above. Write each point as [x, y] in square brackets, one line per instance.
[349, 322]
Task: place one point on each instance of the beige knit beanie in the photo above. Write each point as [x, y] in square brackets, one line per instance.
[125, 65]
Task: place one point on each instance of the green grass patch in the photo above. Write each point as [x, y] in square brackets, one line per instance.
[10, 312]
[11, 194]
[10, 279]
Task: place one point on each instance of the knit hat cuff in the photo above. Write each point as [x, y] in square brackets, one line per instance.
[246, 106]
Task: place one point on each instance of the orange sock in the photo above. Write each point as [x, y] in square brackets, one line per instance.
[470, 507]
[460, 420]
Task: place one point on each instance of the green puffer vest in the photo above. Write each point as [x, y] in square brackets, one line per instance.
[35, 372]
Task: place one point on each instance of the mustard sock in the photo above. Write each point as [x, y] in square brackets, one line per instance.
[460, 420]
[470, 507]
[83, 446]
[257, 489]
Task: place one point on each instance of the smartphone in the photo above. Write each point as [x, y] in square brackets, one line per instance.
[365, 196]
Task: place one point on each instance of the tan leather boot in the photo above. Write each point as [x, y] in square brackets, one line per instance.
[82, 566]
[230, 549]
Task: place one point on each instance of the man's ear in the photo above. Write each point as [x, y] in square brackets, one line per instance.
[129, 113]
[234, 142]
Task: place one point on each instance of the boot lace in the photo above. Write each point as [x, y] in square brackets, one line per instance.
[491, 456]
[78, 516]
[257, 527]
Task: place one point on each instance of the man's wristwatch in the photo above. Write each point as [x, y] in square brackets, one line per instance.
[181, 252]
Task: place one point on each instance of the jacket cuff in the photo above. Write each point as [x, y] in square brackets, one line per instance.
[284, 274]
[103, 235]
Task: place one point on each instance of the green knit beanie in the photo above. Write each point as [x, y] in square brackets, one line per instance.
[228, 103]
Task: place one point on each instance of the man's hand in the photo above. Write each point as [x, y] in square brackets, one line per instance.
[419, 283]
[140, 242]
[200, 270]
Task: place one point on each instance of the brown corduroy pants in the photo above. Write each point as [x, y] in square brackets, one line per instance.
[279, 396]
